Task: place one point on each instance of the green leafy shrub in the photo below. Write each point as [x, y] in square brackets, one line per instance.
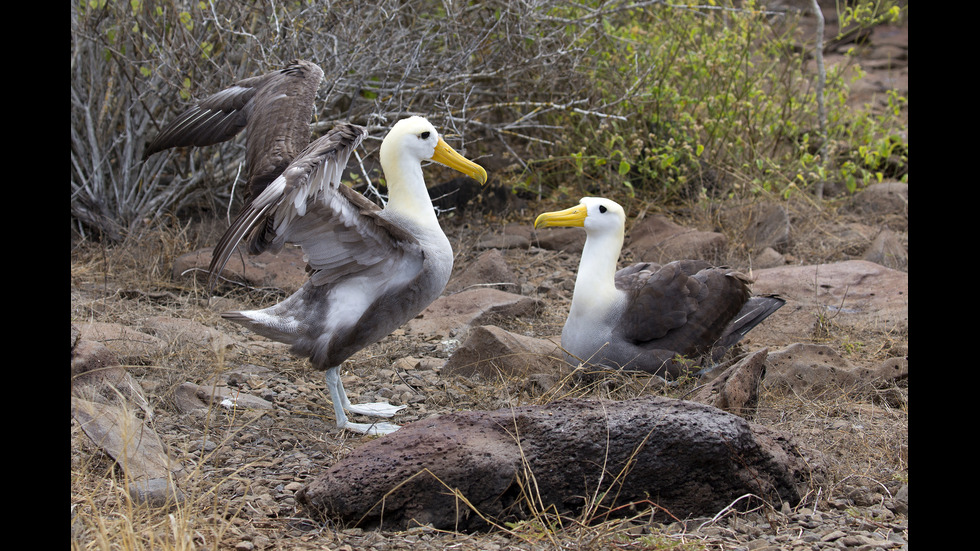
[717, 101]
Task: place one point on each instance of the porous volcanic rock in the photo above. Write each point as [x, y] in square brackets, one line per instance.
[461, 471]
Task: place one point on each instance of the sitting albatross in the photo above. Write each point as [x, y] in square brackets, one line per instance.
[645, 316]
[371, 269]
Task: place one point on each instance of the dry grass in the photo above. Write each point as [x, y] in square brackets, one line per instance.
[239, 466]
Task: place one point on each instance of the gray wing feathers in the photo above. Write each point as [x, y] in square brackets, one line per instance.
[355, 244]
[756, 309]
[338, 229]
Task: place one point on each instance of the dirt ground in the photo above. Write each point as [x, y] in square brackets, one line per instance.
[243, 468]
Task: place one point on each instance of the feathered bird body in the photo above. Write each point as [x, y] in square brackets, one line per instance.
[646, 316]
[680, 309]
[371, 269]
[330, 322]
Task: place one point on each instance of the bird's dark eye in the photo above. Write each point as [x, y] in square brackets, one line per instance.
[424, 135]
[602, 208]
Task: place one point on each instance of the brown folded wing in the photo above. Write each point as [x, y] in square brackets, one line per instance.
[684, 306]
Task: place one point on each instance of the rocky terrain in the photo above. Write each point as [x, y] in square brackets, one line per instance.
[244, 426]
[241, 428]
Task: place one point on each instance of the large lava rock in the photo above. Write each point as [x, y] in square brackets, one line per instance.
[459, 471]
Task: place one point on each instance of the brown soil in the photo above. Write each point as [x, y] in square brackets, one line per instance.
[245, 467]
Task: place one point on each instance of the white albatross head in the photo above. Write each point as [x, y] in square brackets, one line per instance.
[410, 142]
[415, 139]
[604, 222]
[600, 217]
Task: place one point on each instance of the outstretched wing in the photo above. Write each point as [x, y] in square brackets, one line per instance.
[275, 107]
[339, 230]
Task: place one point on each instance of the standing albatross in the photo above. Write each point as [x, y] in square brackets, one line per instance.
[371, 269]
[645, 316]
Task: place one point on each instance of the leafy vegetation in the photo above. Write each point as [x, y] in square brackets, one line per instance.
[619, 97]
[721, 102]
[638, 98]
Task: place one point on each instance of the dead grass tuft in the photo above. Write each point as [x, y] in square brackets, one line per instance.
[243, 466]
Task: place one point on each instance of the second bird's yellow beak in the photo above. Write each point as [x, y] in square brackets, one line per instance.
[574, 216]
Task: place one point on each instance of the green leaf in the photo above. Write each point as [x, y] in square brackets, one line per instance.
[624, 167]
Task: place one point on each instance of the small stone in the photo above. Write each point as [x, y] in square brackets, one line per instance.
[834, 535]
[156, 492]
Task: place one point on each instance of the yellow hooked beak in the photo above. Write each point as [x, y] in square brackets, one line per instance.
[448, 156]
[574, 216]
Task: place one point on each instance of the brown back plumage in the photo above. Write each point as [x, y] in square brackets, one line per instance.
[687, 308]
[275, 109]
[684, 306]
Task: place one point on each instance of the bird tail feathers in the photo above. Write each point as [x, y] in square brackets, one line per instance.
[272, 327]
[755, 310]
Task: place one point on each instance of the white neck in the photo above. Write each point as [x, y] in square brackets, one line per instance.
[407, 195]
[595, 287]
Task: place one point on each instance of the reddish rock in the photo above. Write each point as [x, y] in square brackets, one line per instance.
[453, 315]
[490, 353]
[488, 270]
[285, 270]
[657, 239]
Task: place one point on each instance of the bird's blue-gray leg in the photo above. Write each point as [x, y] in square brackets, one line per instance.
[342, 403]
